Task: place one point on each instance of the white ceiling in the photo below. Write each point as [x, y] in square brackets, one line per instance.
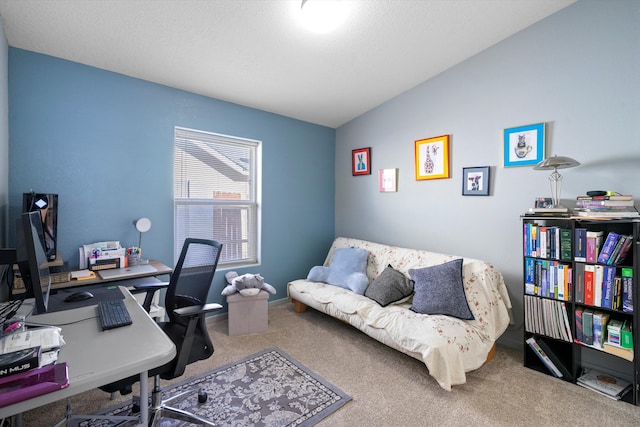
[255, 53]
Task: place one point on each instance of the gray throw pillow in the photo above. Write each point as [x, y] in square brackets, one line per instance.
[439, 290]
[389, 287]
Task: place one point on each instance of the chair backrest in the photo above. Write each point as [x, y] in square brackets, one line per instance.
[189, 286]
[192, 275]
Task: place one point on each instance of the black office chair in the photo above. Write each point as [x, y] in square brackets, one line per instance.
[185, 303]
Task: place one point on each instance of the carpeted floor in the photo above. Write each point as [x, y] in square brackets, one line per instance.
[390, 389]
[265, 389]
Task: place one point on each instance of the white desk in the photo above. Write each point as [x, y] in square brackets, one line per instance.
[98, 357]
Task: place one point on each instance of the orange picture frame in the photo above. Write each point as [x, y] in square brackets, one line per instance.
[432, 158]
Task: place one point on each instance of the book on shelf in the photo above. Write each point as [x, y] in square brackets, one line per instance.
[565, 317]
[627, 290]
[620, 255]
[578, 282]
[598, 281]
[605, 384]
[589, 280]
[544, 358]
[597, 213]
[549, 210]
[608, 286]
[565, 244]
[587, 326]
[617, 293]
[608, 246]
[594, 242]
[617, 249]
[580, 245]
[626, 197]
[579, 333]
[554, 359]
[604, 204]
[600, 321]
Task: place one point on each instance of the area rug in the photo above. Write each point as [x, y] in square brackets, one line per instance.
[269, 388]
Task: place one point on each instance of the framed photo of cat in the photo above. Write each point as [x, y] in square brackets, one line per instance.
[524, 145]
[361, 161]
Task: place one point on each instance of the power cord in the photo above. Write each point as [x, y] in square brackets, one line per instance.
[9, 309]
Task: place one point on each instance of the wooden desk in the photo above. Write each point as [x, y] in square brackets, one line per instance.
[98, 357]
[160, 267]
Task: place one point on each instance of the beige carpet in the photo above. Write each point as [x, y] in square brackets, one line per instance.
[392, 389]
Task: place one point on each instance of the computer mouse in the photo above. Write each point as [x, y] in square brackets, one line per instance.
[78, 296]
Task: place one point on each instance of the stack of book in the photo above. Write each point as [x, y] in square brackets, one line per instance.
[28, 365]
[615, 206]
[604, 384]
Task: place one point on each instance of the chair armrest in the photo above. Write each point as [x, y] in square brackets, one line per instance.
[195, 310]
[150, 289]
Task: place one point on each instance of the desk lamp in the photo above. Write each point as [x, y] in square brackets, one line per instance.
[142, 225]
[555, 179]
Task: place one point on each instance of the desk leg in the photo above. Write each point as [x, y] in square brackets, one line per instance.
[144, 398]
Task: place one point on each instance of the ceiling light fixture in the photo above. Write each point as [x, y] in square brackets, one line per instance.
[322, 16]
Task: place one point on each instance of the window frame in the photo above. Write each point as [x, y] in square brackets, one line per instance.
[252, 204]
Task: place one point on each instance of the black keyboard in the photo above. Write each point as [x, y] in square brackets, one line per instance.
[113, 314]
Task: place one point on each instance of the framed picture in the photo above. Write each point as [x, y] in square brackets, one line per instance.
[388, 180]
[432, 157]
[361, 161]
[524, 145]
[475, 181]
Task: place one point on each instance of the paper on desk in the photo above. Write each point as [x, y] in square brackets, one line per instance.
[47, 337]
[49, 357]
[83, 274]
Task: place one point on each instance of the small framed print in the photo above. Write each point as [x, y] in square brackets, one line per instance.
[432, 158]
[388, 180]
[475, 181]
[361, 161]
[524, 145]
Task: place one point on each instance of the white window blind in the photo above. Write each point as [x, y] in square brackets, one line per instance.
[216, 193]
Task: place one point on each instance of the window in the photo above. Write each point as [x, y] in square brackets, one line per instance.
[216, 193]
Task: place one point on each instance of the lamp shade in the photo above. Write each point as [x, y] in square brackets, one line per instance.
[556, 162]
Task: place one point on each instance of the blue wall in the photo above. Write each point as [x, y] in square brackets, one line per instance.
[104, 143]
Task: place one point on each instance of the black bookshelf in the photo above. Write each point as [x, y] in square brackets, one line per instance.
[546, 299]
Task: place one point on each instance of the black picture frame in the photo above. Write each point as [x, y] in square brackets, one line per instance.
[476, 181]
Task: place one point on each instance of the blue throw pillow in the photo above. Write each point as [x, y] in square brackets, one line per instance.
[439, 290]
[347, 270]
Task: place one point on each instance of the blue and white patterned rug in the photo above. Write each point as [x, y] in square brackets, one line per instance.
[269, 388]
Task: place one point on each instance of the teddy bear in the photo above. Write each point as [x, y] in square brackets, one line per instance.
[247, 284]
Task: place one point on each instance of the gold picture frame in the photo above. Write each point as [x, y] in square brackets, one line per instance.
[432, 158]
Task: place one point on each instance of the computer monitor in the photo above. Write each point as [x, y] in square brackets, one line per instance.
[32, 260]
